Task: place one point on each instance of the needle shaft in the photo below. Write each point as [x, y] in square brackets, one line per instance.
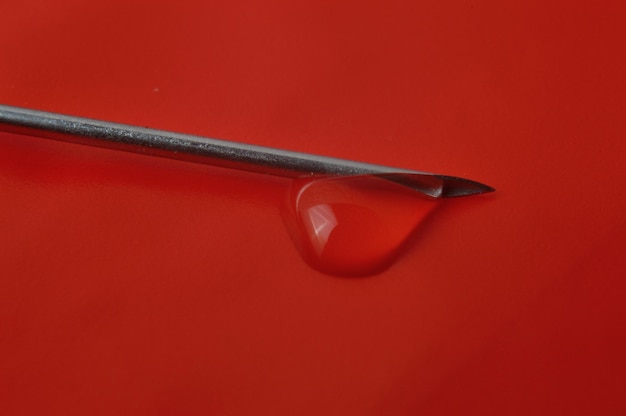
[217, 152]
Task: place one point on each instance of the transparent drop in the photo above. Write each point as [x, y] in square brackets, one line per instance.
[355, 225]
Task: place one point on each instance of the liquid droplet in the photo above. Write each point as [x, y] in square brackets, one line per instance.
[355, 225]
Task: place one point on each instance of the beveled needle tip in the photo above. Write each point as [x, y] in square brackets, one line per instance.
[453, 186]
[437, 186]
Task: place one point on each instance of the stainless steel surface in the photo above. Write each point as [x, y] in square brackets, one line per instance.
[221, 153]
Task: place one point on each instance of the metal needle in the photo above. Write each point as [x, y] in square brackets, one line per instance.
[221, 153]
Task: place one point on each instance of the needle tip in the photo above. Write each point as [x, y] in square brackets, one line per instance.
[438, 186]
[453, 187]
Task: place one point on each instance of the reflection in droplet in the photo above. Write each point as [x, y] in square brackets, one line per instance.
[353, 226]
[320, 224]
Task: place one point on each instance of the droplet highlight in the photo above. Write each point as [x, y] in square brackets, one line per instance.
[354, 225]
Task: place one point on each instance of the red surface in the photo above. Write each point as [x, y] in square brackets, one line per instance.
[135, 285]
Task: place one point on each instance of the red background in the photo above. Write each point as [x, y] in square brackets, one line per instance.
[136, 285]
